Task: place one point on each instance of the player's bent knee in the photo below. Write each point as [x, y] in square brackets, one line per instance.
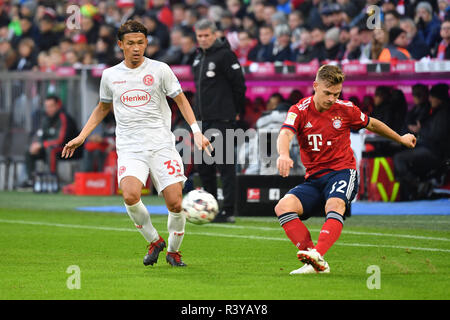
[174, 206]
[335, 204]
[287, 204]
[131, 198]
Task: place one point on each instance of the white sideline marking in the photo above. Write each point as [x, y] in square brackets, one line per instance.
[77, 226]
[378, 234]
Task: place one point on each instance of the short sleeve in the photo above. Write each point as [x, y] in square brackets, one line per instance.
[292, 119]
[105, 91]
[169, 82]
[358, 118]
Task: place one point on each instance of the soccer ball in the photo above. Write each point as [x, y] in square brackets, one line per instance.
[200, 207]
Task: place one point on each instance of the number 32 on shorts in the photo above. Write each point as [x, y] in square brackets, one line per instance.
[170, 166]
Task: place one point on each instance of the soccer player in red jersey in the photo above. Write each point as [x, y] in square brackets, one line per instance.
[322, 125]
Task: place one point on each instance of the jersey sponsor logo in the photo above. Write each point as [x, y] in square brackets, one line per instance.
[363, 117]
[337, 122]
[290, 118]
[148, 80]
[122, 170]
[308, 125]
[315, 140]
[135, 98]
[235, 66]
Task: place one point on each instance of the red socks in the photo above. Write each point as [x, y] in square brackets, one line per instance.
[331, 230]
[296, 230]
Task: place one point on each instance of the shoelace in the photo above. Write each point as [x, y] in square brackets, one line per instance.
[176, 256]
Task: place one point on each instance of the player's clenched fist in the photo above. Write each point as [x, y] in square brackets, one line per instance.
[284, 165]
[70, 147]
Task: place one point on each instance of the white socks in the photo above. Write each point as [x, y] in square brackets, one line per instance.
[139, 214]
[175, 226]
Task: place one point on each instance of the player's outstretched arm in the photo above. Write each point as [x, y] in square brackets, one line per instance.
[284, 161]
[200, 140]
[98, 114]
[378, 127]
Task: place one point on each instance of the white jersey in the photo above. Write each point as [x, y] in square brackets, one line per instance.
[143, 116]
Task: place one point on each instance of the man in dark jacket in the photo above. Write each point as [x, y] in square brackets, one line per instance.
[219, 99]
[433, 146]
[56, 128]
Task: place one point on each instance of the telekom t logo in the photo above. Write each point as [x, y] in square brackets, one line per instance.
[315, 140]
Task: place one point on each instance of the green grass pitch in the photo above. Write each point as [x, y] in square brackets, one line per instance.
[42, 236]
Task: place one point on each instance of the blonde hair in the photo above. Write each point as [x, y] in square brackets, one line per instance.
[332, 75]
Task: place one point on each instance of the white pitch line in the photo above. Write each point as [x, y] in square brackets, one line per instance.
[77, 226]
[378, 234]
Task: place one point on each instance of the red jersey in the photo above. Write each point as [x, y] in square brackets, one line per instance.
[324, 138]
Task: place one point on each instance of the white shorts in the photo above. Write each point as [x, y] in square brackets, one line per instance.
[165, 167]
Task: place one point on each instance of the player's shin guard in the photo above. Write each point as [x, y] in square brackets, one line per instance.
[296, 230]
[141, 218]
[175, 226]
[331, 230]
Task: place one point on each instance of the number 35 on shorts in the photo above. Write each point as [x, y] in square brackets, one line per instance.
[173, 166]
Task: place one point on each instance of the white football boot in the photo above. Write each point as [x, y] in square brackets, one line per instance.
[313, 258]
[308, 269]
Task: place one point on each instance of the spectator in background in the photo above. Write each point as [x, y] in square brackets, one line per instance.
[443, 49]
[379, 42]
[319, 51]
[8, 56]
[188, 49]
[351, 50]
[427, 23]
[420, 109]
[296, 20]
[412, 167]
[173, 53]
[56, 129]
[383, 110]
[249, 24]
[156, 29]
[263, 51]
[302, 52]
[154, 50]
[396, 48]
[47, 37]
[163, 12]
[416, 44]
[391, 19]
[399, 109]
[29, 30]
[332, 44]
[246, 43]
[282, 45]
[366, 36]
[90, 28]
[27, 55]
[443, 10]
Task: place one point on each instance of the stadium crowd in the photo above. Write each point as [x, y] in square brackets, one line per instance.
[45, 34]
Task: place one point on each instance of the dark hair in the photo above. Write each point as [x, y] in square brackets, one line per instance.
[420, 91]
[131, 26]
[53, 97]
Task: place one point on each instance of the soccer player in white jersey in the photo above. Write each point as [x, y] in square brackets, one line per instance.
[136, 89]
